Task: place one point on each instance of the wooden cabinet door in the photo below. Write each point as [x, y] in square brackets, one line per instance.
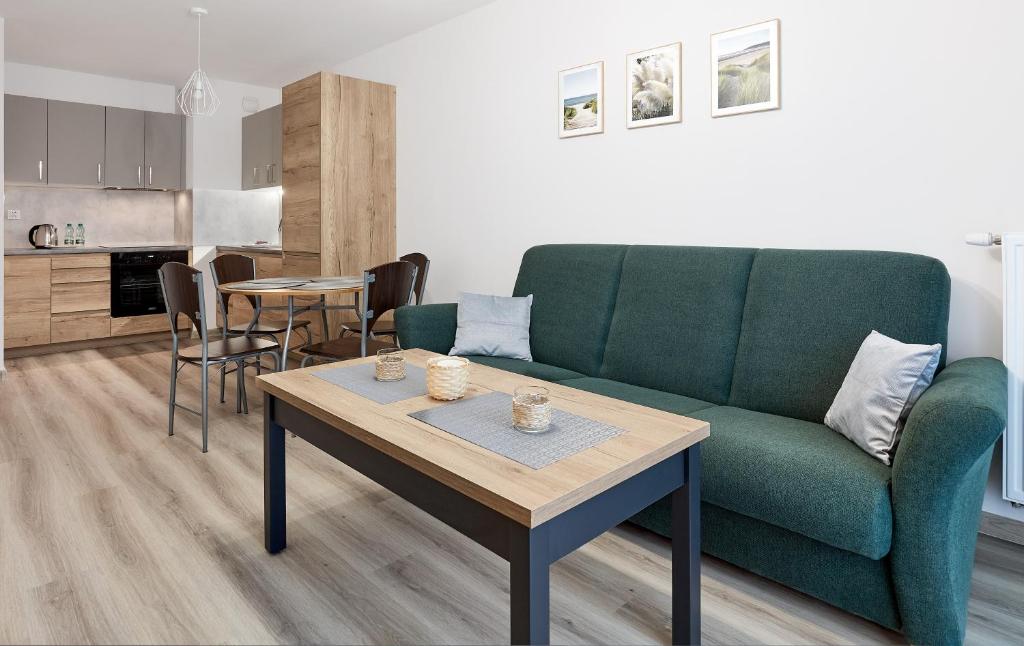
[24, 140]
[164, 142]
[74, 143]
[26, 301]
[125, 147]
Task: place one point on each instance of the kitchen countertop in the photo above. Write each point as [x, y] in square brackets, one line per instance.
[263, 248]
[30, 251]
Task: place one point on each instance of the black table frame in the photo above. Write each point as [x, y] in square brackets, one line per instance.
[529, 551]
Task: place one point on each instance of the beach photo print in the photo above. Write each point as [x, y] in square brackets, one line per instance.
[653, 86]
[581, 100]
[745, 69]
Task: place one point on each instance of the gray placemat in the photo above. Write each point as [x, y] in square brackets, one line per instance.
[361, 380]
[486, 421]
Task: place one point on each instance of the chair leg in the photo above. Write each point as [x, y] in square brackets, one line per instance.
[241, 386]
[171, 398]
[305, 360]
[239, 376]
[223, 376]
[205, 390]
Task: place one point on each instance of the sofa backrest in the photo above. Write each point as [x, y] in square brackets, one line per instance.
[807, 313]
[772, 330]
[677, 319]
[574, 289]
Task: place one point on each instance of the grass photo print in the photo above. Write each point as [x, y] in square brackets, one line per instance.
[653, 86]
[581, 100]
[745, 69]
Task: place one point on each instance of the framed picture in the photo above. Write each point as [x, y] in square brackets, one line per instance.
[745, 69]
[653, 86]
[581, 100]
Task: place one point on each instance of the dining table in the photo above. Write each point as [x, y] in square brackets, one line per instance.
[301, 287]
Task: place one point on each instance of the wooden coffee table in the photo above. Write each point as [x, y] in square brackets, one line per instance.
[531, 518]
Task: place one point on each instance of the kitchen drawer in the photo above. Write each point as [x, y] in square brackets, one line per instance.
[79, 327]
[23, 329]
[145, 324]
[78, 260]
[268, 265]
[80, 297]
[26, 285]
[80, 275]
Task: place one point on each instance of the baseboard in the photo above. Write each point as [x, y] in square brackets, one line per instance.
[1002, 527]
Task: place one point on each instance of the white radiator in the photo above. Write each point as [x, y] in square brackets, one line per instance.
[1013, 356]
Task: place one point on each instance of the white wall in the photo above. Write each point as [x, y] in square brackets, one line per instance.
[3, 85]
[899, 129]
[217, 141]
[65, 85]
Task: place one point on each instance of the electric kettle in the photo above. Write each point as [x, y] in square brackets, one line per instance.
[43, 236]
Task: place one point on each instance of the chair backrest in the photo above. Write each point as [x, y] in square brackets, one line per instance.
[183, 294]
[387, 287]
[231, 268]
[422, 266]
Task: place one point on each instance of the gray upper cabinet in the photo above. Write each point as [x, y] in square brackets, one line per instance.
[24, 140]
[261, 149]
[74, 143]
[125, 148]
[164, 145]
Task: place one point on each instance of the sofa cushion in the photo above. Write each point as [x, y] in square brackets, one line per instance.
[797, 475]
[677, 319]
[661, 400]
[807, 313]
[528, 368]
[574, 289]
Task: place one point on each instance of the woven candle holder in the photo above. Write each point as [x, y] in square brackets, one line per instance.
[390, 365]
[531, 409]
[447, 377]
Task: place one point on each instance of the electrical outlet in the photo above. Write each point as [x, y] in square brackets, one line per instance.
[13, 214]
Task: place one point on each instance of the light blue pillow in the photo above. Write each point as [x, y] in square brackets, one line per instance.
[493, 326]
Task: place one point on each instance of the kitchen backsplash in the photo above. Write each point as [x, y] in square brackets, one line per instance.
[110, 217]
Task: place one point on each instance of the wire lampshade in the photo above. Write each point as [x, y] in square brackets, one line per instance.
[198, 98]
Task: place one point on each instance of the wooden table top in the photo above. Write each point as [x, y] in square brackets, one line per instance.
[528, 496]
[313, 286]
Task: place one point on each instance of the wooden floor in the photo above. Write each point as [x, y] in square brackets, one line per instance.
[112, 532]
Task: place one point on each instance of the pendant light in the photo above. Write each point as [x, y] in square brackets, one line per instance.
[197, 98]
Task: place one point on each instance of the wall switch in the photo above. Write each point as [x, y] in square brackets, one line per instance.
[13, 214]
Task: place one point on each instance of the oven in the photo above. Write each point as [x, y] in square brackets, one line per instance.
[135, 284]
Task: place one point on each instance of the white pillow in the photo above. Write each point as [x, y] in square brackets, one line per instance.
[493, 326]
[883, 384]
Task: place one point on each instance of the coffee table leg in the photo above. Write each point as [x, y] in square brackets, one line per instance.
[529, 567]
[686, 554]
[273, 479]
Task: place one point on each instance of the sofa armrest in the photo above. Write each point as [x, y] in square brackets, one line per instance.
[938, 482]
[430, 327]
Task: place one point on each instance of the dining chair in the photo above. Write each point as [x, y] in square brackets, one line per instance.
[234, 268]
[182, 288]
[422, 267]
[385, 287]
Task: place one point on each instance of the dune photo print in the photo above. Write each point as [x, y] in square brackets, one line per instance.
[653, 86]
[581, 100]
[745, 69]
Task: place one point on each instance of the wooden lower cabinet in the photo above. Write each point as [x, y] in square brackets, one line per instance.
[26, 301]
[79, 326]
[80, 297]
[147, 324]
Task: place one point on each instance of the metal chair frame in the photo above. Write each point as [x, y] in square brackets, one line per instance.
[204, 363]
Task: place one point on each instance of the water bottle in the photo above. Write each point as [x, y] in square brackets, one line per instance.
[80, 236]
[69, 235]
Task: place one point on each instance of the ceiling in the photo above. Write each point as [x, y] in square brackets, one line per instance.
[262, 42]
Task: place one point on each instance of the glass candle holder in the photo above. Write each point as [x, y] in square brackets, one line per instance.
[447, 377]
[390, 365]
[531, 409]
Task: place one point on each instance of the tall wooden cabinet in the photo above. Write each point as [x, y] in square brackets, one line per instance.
[339, 175]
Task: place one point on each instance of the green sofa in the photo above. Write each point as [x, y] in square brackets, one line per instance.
[757, 342]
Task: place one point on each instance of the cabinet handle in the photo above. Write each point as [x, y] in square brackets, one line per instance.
[99, 172]
[140, 174]
[254, 180]
[268, 173]
[40, 170]
[150, 175]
